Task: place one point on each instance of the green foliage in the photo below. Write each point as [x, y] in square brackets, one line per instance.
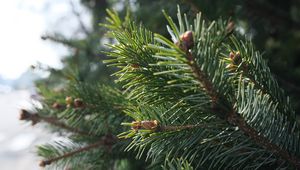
[171, 82]
[217, 104]
[177, 165]
[95, 159]
[97, 120]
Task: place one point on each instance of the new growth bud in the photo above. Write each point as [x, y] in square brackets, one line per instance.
[69, 101]
[57, 106]
[149, 124]
[186, 41]
[136, 125]
[145, 124]
[236, 58]
[78, 103]
[25, 115]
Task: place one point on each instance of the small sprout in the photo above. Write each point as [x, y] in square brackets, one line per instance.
[186, 41]
[136, 125]
[231, 55]
[78, 103]
[43, 163]
[145, 124]
[57, 106]
[149, 124]
[69, 100]
[25, 115]
[237, 59]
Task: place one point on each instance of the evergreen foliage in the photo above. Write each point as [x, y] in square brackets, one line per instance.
[212, 102]
[197, 95]
[87, 121]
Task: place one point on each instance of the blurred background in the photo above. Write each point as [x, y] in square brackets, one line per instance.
[23, 22]
[43, 42]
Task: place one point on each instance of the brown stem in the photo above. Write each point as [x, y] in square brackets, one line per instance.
[236, 120]
[57, 123]
[104, 141]
[202, 78]
[35, 118]
[263, 89]
[174, 128]
[164, 128]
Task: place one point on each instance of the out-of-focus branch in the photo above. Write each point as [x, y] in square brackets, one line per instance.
[107, 140]
[78, 16]
[35, 118]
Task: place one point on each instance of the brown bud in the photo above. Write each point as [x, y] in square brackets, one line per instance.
[78, 103]
[231, 55]
[24, 114]
[149, 124]
[135, 66]
[69, 100]
[135, 125]
[187, 40]
[56, 105]
[44, 163]
[237, 59]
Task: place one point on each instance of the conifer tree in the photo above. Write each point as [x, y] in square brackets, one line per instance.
[202, 99]
[206, 97]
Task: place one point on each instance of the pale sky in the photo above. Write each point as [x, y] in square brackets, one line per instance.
[22, 24]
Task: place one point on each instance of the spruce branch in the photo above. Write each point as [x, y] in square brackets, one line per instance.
[77, 44]
[89, 111]
[60, 39]
[106, 141]
[244, 61]
[177, 164]
[181, 127]
[238, 121]
[179, 64]
[155, 126]
[202, 78]
[35, 118]
[235, 119]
